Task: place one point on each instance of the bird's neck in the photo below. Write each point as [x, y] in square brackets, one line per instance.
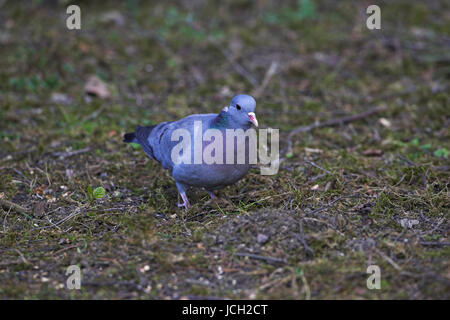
[222, 121]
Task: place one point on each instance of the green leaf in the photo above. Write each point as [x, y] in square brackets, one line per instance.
[307, 9]
[272, 18]
[299, 272]
[172, 63]
[90, 193]
[443, 152]
[99, 192]
[426, 146]
[289, 155]
[399, 143]
[135, 146]
[414, 142]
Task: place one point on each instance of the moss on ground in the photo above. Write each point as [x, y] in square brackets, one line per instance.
[374, 191]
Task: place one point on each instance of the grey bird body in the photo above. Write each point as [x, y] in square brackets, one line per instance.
[157, 142]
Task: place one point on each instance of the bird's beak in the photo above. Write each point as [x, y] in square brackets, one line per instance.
[252, 117]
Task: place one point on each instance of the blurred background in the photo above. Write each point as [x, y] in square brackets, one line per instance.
[377, 187]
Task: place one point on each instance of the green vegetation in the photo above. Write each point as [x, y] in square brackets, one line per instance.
[372, 191]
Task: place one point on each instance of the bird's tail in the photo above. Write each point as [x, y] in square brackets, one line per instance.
[141, 136]
[129, 137]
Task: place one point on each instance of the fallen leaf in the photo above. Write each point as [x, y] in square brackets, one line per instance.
[262, 238]
[84, 47]
[69, 174]
[97, 87]
[39, 190]
[303, 85]
[5, 38]
[111, 133]
[311, 150]
[113, 16]
[408, 223]
[385, 122]
[328, 59]
[60, 98]
[10, 24]
[39, 209]
[200, 246]
[174, 258]
[373, 152]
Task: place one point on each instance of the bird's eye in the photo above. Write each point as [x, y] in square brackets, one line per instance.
[238, 107]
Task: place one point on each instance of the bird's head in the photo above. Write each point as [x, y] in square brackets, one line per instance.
[242, 110]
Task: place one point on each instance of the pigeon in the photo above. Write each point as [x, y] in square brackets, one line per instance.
[159, 141]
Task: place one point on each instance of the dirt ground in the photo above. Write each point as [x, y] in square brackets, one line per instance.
[369, 190]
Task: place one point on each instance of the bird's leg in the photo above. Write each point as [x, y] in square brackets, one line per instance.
[215, 199]
[182, 192]
[185, 203]
[212, 195]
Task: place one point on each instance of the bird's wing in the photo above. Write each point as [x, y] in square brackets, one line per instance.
[160, 141]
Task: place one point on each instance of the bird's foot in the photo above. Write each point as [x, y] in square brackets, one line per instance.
[214, 199]
[185, 203]
[212, 195]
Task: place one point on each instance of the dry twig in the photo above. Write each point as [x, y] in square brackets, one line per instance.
[63, 155]
[11, 205]
[333, 122]
[259, 257]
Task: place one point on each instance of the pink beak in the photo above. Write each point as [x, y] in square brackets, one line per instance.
[252, 117]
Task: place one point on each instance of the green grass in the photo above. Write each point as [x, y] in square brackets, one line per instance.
[163, 63]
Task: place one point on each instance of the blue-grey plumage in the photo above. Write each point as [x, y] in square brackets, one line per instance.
[157, 142]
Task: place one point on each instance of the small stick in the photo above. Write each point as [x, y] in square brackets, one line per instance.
[301, 238]
[11, 205]
[65, 248]
[339, 121]
[318, 167]
[409, 162]
[434, 243]
[94, 114]
[22, 257]
[389, 260]
[63, 155]
[239, 69]
[326, 206]
[258, 257]
[334, 122]
[269, 74]
[441, 168]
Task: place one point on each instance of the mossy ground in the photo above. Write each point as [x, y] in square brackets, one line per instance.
[168, 60]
